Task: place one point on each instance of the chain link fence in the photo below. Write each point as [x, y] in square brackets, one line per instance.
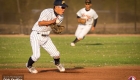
[115, 16]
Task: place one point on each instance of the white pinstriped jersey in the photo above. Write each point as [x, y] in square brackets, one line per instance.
[89, 15]
[47, 15]
[37, 39]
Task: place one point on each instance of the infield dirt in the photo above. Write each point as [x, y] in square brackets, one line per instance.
[93, 73]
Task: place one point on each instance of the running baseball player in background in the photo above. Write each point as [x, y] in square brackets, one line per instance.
[39, 36]
[85, 17]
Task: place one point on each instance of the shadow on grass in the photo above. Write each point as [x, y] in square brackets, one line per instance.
[95, 44]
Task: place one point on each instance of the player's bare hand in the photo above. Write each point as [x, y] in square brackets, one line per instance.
[53, 21]
[93, 28]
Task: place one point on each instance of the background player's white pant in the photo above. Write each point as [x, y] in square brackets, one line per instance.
[82, 30]
[38, 40]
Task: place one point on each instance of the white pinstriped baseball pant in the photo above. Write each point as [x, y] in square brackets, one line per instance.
[37, 41]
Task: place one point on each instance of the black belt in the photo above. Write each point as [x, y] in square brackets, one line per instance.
[42, 34]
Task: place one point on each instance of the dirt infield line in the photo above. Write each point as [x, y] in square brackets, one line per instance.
[93, 73]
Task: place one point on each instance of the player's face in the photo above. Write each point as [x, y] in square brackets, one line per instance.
[87, 6]
[60, 10]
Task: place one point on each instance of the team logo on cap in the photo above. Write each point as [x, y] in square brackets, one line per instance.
[63, 2]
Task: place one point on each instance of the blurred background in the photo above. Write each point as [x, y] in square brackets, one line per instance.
[115, 16]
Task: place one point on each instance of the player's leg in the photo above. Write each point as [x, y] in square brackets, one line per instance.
[78, 31]
[76, 40]
[84, 32]
[36, 52]
[54, 53]
[80, 34]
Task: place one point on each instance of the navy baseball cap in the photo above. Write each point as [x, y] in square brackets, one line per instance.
[60, 3]
[87, 1]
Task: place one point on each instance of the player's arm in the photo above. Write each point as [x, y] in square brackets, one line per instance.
[94, 24]
[43, 20]
[78, 18]
[46, 23]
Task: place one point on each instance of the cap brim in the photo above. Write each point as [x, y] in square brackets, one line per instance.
[64, 5]
[88, 2]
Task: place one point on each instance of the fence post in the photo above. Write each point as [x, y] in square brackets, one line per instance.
[20, 20]
[135, 15]
[117, 11]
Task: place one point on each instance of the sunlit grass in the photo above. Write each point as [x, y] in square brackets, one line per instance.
[92, 51]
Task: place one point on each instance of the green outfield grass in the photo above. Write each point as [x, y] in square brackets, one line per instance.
[90, 52]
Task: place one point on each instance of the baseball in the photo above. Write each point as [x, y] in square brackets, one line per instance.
[57, 21]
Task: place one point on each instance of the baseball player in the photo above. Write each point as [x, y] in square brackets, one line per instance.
[39, 36]
[86, 16]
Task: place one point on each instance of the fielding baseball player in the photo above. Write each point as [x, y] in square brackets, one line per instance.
[39, 36]
[85, 17]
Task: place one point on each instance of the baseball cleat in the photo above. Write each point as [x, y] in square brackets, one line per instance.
[32, 69]
[60, 68]
[72, 44]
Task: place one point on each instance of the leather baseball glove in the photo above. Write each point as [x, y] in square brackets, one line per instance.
[57, 29]
[81, 20]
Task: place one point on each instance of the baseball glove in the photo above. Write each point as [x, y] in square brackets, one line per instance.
[82, 21]
[57, 29]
